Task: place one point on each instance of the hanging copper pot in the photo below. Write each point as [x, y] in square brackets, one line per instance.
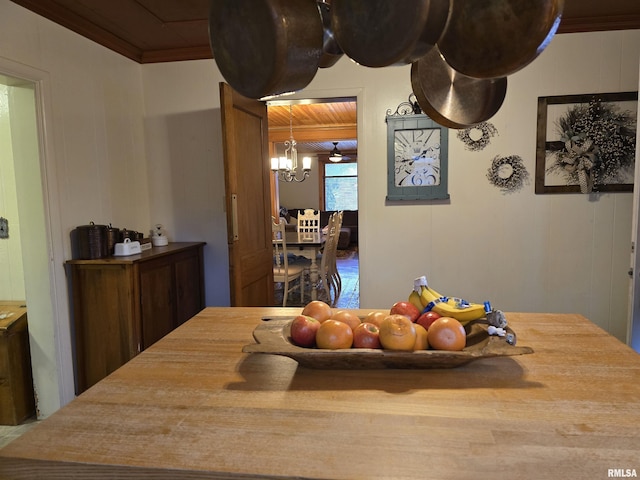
[331, 51]
[379, 33]
[452, 99]
[266, 47]
[495, 38]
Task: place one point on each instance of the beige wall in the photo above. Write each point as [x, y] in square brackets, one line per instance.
[93, 166]
[186, 173]
[525, 252]
[12, 278]
[134, 145]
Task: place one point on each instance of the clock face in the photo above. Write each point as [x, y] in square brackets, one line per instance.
[417, 157]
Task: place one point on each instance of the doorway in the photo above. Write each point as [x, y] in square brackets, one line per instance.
[28, 252]
[320, 128]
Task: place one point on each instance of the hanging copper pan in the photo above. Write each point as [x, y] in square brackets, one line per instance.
[495, 38]
[379, 33]
[266, 47]
[331, 51]
[452, 99]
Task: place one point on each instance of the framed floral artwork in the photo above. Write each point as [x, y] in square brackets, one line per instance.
[586, 143]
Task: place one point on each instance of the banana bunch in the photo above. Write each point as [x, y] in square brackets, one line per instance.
[426, 298]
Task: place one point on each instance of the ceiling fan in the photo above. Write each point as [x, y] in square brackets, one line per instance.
[335, 155]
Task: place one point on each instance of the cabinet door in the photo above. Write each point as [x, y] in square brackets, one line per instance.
[189, 286]
[157, 294]
[106, 328]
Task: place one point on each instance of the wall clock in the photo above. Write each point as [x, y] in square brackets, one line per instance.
[417, 150]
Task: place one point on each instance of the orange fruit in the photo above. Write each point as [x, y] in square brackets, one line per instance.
[397, 332]
[375, 318]
[317, 309]
[347, 317]
[447, 333]
[333, 334]
[421, 337]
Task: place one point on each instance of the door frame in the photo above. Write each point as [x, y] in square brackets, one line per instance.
[633, 324]
[358, 94]
[52, 305]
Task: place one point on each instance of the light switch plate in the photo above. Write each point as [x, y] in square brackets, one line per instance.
[4, 228]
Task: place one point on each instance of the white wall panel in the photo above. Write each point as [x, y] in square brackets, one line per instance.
[11, 266]
[182, 124]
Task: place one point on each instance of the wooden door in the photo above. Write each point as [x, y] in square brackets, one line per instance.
[248, 194]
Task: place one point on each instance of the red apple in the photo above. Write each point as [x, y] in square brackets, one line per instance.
[366, 335]
[407, 309]
[427, 318]
[303, 330]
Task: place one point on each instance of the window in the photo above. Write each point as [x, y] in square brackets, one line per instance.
[341, 186]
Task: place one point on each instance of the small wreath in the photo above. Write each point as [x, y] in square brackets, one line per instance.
[477, 137]
[508, 173]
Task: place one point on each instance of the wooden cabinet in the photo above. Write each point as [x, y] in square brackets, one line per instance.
[17, 401]
[122, 305]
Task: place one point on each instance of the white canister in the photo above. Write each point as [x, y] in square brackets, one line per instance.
[158, 238]
[159, 241]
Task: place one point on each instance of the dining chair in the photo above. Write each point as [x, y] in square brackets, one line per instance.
[330, 279]
[283, 271]
[308, 222]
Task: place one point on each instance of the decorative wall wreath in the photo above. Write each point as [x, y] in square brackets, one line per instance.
[476, 138]
[508, 173]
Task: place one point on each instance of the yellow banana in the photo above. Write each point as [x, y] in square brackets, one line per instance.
[414, 298]
[463, 314]
[426, 296]
[423, 296]
[420, 294]
[434, 293]
[448, 307]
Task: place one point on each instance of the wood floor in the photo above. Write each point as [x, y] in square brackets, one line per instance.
[349, 273]
[8, 433]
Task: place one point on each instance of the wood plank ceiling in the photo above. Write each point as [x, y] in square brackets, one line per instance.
[151, 31]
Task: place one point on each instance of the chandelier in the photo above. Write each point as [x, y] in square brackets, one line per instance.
[287, 166]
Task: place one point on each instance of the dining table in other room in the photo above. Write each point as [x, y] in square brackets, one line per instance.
[308, 245]
[194, 405]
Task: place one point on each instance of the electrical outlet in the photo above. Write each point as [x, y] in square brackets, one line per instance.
[4, 228]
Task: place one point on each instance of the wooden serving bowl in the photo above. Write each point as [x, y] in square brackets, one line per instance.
[273, 337]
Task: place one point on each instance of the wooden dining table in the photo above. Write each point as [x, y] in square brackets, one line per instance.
[308, 245]
[194, 406]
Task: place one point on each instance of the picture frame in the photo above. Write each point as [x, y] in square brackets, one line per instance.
[417, 158]
[586, 143]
